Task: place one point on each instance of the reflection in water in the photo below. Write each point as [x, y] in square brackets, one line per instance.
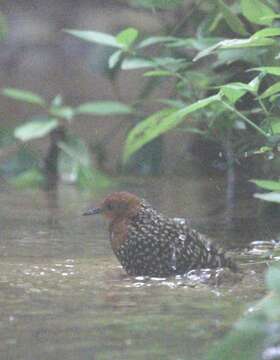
[64, 296]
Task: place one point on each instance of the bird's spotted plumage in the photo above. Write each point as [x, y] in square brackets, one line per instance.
[148, 243]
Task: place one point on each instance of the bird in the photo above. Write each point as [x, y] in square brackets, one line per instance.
[147, 243]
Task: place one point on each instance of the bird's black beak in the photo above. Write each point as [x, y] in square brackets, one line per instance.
[93, 211]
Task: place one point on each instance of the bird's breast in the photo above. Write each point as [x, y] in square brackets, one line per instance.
[118, 233]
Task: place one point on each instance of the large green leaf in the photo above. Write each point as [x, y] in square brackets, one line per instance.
[232, 19]
[273, 89]
[267, 184]
[257, 11]
[104, 108]
[159, 123]
[144, 132]
[127, 37]
[23, 95]
[35, 129]
[95, 37]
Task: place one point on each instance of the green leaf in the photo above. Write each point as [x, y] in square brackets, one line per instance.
[235, 44]
[273, 279]
[275, 16]
[263, 150]
[255, 84]
[104, 108]
[267, 184]
[29, 178]
[127, 37]
[23, 95]
[257, 12]
[235, 91]
[246, 43]
[232, 19]
[35, 129]
[273, 70]
[136, 63]
[155, 40]
[115, 58]
[144, 132]
[64, 112]
[159, 73]
[268, 32]
[271, 197]
[139, 63]
[159, 123]
[158, 4]
[275, 88]
[95, 37]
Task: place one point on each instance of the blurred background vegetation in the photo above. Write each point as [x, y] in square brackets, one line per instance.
[166, 87]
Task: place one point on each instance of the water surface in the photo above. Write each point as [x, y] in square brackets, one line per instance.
[64, 295]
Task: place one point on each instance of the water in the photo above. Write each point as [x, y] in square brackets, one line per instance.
[63, 294]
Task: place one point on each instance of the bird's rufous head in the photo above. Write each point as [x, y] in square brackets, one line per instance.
[118, 205]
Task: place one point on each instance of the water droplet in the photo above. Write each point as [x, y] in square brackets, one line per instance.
[174, 259]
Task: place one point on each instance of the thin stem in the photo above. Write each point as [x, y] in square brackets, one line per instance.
[247, 120]
[263, 106]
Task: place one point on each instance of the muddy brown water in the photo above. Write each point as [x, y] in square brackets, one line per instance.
[63, 295]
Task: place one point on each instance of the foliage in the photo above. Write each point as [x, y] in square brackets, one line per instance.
[257, 335]
[273, 186]
[74, 163]
[255, 46]
[222, 61]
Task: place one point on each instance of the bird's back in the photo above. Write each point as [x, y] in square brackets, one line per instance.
[159, 246]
